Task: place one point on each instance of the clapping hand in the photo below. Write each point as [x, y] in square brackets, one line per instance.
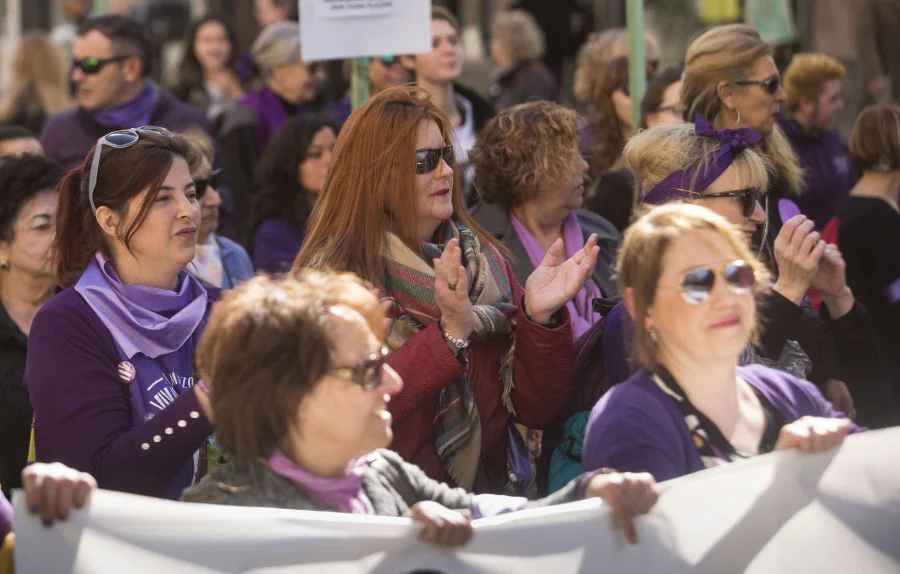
[798, 250]
[451, 292]
[557, 279]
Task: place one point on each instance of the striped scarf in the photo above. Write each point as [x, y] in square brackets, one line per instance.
[409, 285]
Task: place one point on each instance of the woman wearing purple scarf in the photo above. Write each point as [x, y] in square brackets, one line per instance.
[110, 362]
[300, 389]
[530, 177]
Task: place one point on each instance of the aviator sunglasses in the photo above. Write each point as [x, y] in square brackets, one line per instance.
[748, 197]
[698, 283]
[428, 159]
[91, 66]
[367, 374]
[770, 85]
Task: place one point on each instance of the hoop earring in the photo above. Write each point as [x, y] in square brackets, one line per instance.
[738, 118]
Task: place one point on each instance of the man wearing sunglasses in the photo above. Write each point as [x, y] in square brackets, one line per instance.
[110, 72]
[813, 83]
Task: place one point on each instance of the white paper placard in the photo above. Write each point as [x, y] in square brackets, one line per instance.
[338, 29]
[835, 512]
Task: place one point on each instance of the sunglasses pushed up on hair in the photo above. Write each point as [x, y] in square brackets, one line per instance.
[428, 159]
[698, 283]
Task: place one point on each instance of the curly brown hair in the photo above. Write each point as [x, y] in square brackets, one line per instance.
[523, 150]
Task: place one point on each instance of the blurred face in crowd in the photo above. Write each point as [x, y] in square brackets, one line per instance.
[295, 82]
[671, 110]
[211, 46]
[166, 241]
[444, 62]
[30, 240]
[20, 146]
[828, 106]
[558, 200]
[732, 208]
[435, 188]
[270, 12]
[713, 330]
[758, 108]
[386, 72]
[114, 83]
[365, 422]
[313, 170]
[209, 203]
[75, 10]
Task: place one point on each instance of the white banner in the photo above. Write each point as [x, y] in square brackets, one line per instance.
[781, 513]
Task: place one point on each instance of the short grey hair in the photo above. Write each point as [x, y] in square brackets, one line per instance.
[519, 34]
[277, 45]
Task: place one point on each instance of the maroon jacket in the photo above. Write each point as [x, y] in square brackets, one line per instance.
[543, 380]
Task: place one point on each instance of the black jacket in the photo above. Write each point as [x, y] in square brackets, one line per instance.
[524, 82]
[15, 405]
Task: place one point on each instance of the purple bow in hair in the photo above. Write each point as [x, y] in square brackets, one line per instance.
[700, 175]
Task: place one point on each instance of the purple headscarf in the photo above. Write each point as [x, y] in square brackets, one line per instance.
[700, 175]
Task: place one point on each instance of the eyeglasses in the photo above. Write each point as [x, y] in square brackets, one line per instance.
[119, 139]
[698, 283]
[367, 374]
[91, 66]
[428, 159]
[388, 61]
[211, 182]
[748, 196]
[770, 85]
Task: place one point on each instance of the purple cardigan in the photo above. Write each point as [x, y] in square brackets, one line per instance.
[82, 409]
[276, 244]
[636, 427]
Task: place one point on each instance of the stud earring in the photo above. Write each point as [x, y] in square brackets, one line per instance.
[4, 265]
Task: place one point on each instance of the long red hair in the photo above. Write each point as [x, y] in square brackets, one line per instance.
[371, 187]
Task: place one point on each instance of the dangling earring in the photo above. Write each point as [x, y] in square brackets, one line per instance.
[653, 335]
[739, 118]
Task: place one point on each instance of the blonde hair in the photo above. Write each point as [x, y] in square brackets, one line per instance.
[654, 154]
[39, 79]
[518, 32]
[597, 52]
[875, 141]
[277, 45]
[640, 261]
[806, 75]
[728, 53]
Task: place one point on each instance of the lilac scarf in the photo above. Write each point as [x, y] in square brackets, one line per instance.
[134, 114]
[345, 493]
[699, 176]
[153, 330]
[581, 309]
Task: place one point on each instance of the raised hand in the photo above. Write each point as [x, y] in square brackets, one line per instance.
[451, 292]
[442, 525]
[557, 279]
[831, 277]
[798, 250]
[812, 434]
[628, 494]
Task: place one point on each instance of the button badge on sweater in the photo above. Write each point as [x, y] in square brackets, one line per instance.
[127, 371]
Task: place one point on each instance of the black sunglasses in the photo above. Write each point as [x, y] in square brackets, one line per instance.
[91, 66]
[212, 182]
[698, 283]
[748, 196]
[770, 85]
[367, 374]
[428, 159]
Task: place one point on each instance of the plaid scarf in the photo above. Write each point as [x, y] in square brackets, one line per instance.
[409, 286]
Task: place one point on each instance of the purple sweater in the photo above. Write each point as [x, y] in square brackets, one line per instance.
[636, 427]
[83, 412]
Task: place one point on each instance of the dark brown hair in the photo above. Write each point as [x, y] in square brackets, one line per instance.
[656, 92]
[123, 174]
[875, 141]
[127, 37]
[441, 13]
[265, 348]
[523, 151]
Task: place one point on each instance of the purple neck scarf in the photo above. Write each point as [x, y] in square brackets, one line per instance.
[581, 310]
[344, 493]
[134, 114]
[153, 330]
[699, 176]
[270, 113]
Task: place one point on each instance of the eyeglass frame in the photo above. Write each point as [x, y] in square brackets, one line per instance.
[754, 193]
[357, 374]
[95, 162]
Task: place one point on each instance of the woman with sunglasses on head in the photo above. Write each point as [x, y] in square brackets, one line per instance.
[110, 359]
[219, 262]
[300, 389]
[289, 178]
[720, 170]
[479, 351]
[690, 284]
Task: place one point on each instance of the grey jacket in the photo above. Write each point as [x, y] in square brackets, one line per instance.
[391, 484]
[496, 221]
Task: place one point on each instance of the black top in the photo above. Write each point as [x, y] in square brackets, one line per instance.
[613, 198]
[15, 405]
[869, 239]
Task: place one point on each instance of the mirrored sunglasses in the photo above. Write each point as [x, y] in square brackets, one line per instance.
[428, 159]
[698, 283]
